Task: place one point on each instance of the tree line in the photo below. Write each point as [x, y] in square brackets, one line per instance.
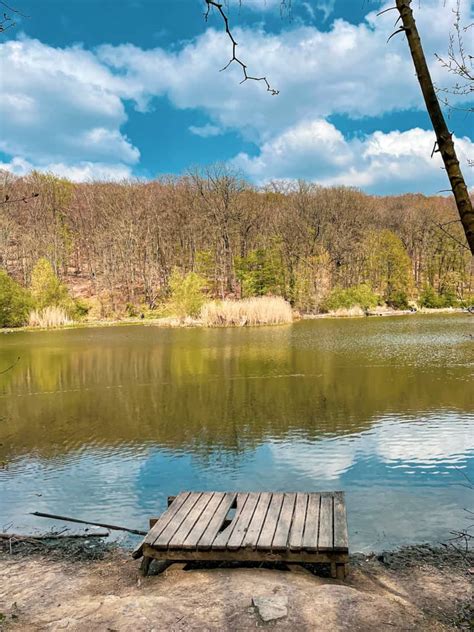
[120, 246]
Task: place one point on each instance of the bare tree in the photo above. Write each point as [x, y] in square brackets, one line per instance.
[444, 138]
[460, 63]
[444, 141]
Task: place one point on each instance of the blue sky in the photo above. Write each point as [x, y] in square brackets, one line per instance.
[94, 90]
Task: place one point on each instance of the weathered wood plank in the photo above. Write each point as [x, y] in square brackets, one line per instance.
[341, 539]
[217, 520]
[240, 529]
[201, 525]
[295, 541]
[168, 532]
[191, 519]
[311, 528]
[250, 555]
[325, 540]
[256, 524]
[269, 526]
[161, 523]
[222, 538]
[280, 539]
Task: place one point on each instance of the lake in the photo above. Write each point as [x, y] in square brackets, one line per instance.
[105, 423]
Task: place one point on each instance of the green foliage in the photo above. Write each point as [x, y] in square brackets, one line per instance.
[46, 289]
[358, 296]
[187, 293]
[131, 310]
[260, 273]
[205, 266]
[389, 268]
[82, 307]
[431, 299]
[397, 299]
[15, 302]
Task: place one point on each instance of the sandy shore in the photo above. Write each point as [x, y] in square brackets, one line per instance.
[420, 588]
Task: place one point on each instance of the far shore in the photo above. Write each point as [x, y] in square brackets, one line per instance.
[172, 322]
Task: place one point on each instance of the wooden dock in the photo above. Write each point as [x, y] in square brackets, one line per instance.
[260, 527]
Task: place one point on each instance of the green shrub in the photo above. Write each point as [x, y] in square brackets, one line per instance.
[431, 299]
[261, 272]
[398, 299]
[358, 296]
[15, 302]
[47, 290]
[187, 293]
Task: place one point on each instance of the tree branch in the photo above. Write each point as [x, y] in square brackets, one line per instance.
[234, 59]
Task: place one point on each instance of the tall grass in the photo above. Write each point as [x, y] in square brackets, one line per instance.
[264, 310]
[49, 317]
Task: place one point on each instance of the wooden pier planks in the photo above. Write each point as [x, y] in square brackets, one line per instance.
[287, 526]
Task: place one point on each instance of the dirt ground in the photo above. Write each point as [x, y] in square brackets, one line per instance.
[420, 589]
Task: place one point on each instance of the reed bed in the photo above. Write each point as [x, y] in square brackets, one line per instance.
[265, 310]
[49, 318]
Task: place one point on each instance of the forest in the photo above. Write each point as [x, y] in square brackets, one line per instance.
[122, 248]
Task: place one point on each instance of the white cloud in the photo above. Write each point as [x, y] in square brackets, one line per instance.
[205, 131]
[67, 106]
[79, 172]
[317, 151]
[326, 6]
[62, 107]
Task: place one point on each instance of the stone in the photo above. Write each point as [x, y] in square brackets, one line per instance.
[271, 607]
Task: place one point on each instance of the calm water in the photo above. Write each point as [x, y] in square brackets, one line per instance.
[105, 423]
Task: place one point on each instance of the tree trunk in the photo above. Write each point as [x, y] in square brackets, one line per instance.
[443, 136]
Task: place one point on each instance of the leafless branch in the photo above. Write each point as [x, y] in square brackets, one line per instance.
[234, 59]
[25, 199]
[12, 366]
[6, 20]
[458, 62]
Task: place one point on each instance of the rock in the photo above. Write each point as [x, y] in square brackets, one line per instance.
[271, 607]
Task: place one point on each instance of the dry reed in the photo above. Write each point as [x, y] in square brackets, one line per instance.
[49, 317]
[264, 310]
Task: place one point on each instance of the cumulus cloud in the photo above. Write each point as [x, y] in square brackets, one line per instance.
[316, 150]
[76, 99]
[205, 131]
[62, 107]
[79, 172]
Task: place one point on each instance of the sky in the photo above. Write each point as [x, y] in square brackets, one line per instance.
[116, 89]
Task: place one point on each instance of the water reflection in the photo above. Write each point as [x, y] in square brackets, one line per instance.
[107, 423]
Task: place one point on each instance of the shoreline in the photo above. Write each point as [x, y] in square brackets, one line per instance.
[422, 587]
[172, 322]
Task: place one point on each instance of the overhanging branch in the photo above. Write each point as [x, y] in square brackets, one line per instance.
[234, 59]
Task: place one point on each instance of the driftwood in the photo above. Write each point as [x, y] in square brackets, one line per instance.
[112, 527]
[51, 536]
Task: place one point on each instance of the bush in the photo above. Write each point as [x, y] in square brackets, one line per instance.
[47, 290]
[264, 310]
[187, 295]
[15, 302]
[431, 299]
[398, 299]
[358, 296]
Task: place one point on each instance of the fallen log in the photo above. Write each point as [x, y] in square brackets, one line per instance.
[52, 536]
[112, 527]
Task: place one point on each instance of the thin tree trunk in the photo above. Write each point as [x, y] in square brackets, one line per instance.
[443, 136]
